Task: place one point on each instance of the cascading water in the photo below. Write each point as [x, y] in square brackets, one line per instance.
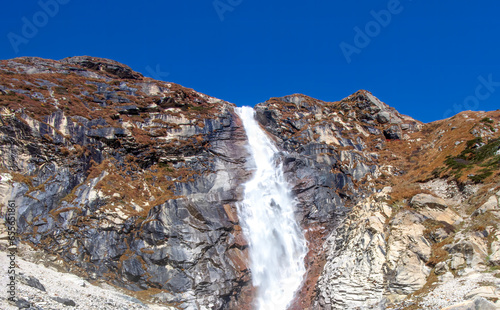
[276, 242]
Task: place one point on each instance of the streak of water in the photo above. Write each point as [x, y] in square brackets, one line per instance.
[276, 242]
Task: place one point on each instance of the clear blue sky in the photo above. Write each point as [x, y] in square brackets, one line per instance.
[425, 58]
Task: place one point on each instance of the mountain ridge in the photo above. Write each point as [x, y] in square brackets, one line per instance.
[134, 182]
[110, 68]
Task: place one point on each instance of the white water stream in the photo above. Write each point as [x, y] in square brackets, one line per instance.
[276, 243]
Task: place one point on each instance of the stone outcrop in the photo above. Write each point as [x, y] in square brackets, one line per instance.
[381, 256]
[383, 253]
[353, 275]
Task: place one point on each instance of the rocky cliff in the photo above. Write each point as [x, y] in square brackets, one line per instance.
[123, 178]
[427, 237]
[131, 181]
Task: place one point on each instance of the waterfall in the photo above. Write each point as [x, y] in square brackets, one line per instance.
[276, 243]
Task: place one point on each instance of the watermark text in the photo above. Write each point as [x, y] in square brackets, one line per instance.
[363, 35]
[31, 26]
[483, 91]
[11, 225]
[223, 6]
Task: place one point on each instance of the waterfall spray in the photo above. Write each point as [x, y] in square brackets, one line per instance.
[276, 242]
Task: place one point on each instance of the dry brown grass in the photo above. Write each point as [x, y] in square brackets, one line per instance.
[481, 221]
[404, 190]
[438, 254]
[56, 212]
[141, 136]
[21, 178]
[145, 187]
[425, 153]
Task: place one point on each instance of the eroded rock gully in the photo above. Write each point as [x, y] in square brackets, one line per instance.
[131, 181]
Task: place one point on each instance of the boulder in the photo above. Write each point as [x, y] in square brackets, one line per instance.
[383, 117]
[393, 133]
[65, 301]
[469, 251]
[32, 281]
[490, 292]
[425, 200]
[441, 268]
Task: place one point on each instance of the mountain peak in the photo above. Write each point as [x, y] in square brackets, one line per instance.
[361, 108]
[366, 100]
[363, 105]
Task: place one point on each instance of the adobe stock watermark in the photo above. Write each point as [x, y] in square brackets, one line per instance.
[11, 226]
[363, 36]
[31, 26]
[157, 74]
[224, 6]
[483, 91]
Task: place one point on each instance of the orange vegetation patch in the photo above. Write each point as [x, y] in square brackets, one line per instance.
[426, 152]
[41, 94]
[128, 184]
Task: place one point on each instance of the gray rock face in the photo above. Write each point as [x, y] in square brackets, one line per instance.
[383, 253]
[393, 133]
[139, 195]
[181, 246]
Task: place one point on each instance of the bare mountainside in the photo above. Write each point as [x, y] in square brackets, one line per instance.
[134, 183]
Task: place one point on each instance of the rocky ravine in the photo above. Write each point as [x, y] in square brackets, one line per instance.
[133, 182]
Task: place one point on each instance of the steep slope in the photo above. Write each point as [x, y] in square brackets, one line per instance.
[126, 179]
[331, 160]
[392, 207]
[430, 237]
